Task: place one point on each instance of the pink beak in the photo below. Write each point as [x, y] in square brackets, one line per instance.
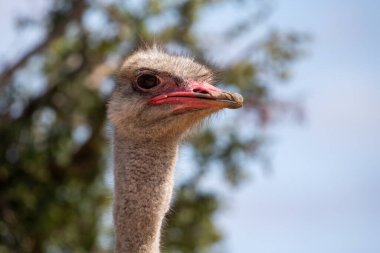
[197, 95]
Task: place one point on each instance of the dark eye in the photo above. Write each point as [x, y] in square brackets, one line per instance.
[147, 81]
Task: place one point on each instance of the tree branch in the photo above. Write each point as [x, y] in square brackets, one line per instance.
[75, 13]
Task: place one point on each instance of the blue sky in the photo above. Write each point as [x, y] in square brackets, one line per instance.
[323, 195]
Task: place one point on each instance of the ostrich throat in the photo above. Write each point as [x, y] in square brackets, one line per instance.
[143, 187]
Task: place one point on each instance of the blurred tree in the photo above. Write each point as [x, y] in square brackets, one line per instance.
[53, 136]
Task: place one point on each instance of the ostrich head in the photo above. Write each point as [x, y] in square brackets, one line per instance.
[162, 96]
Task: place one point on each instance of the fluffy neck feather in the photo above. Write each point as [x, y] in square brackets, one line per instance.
[143, 187]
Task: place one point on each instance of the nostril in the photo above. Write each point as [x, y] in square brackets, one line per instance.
[202, 91]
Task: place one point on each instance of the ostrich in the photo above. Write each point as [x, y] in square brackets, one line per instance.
[157, 100]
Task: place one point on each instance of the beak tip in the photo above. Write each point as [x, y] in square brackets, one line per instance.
[239, 98]
[236, 101]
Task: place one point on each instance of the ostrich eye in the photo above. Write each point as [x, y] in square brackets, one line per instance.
[147, 81]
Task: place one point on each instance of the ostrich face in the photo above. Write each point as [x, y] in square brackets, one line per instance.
[160, 95]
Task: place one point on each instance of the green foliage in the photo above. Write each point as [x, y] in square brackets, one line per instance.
[54, 141]
[190, 227]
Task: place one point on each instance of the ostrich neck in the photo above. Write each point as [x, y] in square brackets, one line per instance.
[143, 187]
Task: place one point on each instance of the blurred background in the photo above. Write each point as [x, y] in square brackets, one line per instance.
[296, 170]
